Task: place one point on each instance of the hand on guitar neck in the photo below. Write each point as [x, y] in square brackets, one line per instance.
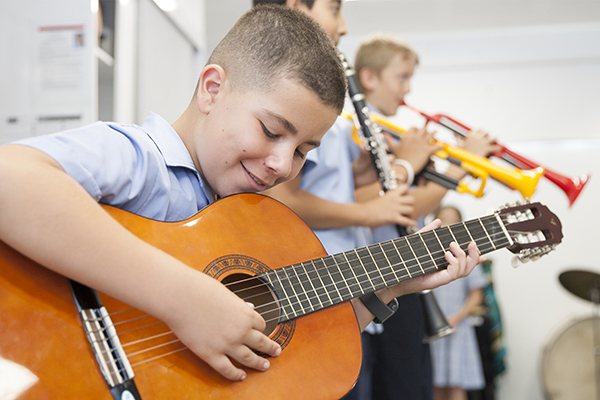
[460, 264]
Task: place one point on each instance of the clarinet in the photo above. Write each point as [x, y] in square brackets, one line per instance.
[436, 325]
[372, 133]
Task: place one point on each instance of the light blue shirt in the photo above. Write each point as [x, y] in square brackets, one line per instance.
[328, 175]
[145, 169]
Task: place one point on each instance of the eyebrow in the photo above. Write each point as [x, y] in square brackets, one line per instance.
[282, 121]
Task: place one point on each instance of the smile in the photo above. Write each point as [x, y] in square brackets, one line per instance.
[262, 185]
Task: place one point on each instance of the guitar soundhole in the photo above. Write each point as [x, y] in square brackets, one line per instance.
[255, 291]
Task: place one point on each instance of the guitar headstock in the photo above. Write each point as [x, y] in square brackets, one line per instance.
[534, 229]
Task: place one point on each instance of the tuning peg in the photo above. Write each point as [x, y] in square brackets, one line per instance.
[515, 262]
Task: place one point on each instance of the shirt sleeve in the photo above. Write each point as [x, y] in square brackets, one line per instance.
[111, 165]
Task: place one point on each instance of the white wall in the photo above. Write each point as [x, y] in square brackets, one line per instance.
[167, 66]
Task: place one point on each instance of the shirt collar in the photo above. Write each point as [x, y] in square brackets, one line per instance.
[168, 142]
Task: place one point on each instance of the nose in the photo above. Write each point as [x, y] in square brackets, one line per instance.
[342, 29]
[280, 162]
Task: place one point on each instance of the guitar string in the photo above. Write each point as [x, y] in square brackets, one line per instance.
[177, 340]
[354, 293]
[326, 286]
[425, 258]
[320, 269]
[398, 241]
[140, 352]
[429, 269]
[310, 299]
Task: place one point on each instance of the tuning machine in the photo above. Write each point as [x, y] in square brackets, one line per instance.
[527, 255]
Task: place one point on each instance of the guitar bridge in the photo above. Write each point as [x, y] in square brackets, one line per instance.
[106, 346]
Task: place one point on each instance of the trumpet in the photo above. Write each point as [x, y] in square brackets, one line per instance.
[525, 181]
[571, 186]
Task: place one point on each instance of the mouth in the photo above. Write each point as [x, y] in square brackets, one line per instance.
[257, 184]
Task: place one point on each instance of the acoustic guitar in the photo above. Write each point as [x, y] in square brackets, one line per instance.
[62, 340]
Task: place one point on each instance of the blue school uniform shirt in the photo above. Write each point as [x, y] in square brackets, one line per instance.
[328, 174]
[145, 169]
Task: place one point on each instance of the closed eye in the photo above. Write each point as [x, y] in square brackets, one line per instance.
[267, 132]
[300, 154]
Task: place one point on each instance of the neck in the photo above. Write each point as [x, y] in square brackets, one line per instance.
[189, 127]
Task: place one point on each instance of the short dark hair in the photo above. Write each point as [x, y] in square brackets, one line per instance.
[271, 42]
[309, 3]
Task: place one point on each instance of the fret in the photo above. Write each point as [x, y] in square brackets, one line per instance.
[390, 260]
[434, 248]
[373, 274]
[351, 285]
[461, 235]
[476, 232]
[468, 233]
[364, 279]
[437, 237]
[307, 294]
[398, 244]
[386, 266]
[358, 273]
[341, 286]
[286, 292]
[382, 265]
[496, 231]
[486, 233]
[296, 287]
[328, 280]
[414, 248]
[317, 284]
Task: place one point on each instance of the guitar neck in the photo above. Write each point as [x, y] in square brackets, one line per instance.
[320, 283]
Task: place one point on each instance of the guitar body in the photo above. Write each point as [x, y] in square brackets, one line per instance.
[241, 235]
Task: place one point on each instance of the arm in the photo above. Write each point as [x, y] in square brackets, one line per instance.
[428, 196]
[319, 213]
[46, 215]
[473, 300]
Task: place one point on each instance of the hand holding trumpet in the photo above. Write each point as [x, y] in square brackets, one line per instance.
[479, 142]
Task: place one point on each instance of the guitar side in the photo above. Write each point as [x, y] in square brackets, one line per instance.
[39, 328]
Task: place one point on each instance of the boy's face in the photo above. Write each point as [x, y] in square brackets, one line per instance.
[328, 13]
[255, 140]
[387, 91]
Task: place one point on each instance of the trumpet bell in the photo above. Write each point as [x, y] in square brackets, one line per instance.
[528, 180]
[572, 186]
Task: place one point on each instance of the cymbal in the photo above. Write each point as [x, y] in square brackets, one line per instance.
[580, 283]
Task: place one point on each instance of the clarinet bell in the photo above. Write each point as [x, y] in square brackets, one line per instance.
[436, 325]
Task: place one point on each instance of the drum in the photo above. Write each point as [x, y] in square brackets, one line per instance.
[568, 361]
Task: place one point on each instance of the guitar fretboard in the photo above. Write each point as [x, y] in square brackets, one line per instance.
[316, 284]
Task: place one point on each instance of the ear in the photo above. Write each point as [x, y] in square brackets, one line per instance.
[212, 83]
[368, 79]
